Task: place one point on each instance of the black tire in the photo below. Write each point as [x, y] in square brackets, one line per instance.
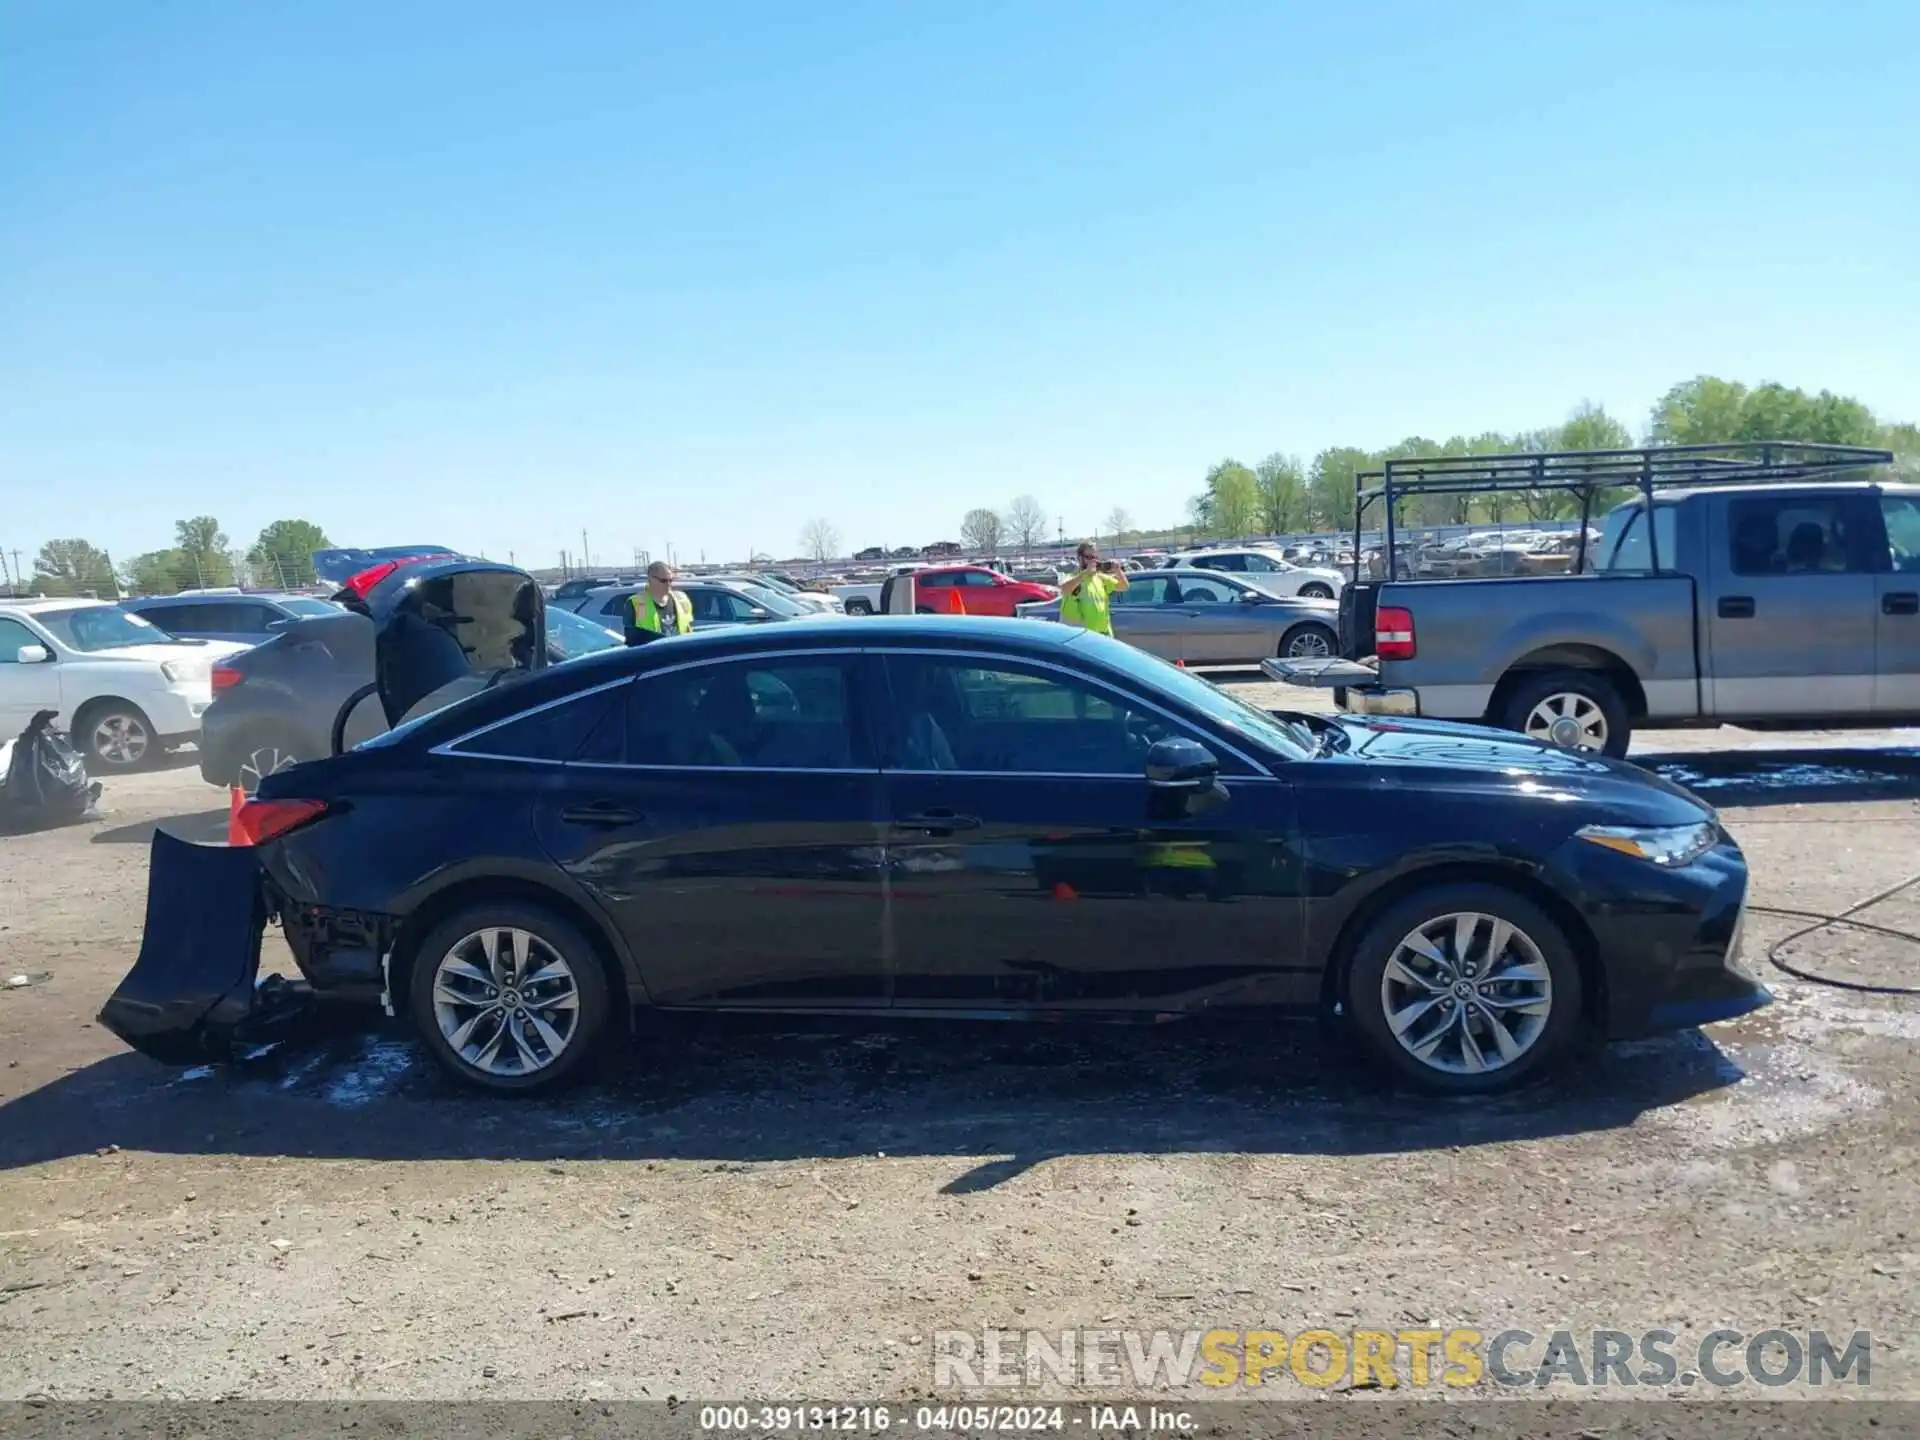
[1366, 1004]
[1591, 686]
[106, 727]
[1296, 636]
[859, 607]
[557, 935]
[1314, 590]
[923, 610]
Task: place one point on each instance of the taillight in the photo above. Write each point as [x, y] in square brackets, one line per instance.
[365, 581]
[258, 821]
[1393, 633]
[225, 677]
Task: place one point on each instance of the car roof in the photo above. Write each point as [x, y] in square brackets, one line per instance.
[46, 605]
[1803, 487]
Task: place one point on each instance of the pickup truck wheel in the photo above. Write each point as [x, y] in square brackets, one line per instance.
[1465, 989]
[1314, 590]
[1574, 709]
[859, 607]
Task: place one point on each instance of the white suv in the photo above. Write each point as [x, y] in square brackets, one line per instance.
[122, 686]
[1275, 574]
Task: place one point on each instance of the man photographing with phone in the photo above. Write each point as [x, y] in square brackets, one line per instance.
[1085, 596]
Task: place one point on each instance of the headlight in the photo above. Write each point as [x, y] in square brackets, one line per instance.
[178, 671]
[1667, 845]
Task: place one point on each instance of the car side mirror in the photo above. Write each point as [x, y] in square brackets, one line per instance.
[1247, 597]
[32, 655]
[1181, 764]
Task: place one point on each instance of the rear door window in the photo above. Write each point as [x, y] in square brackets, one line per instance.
[1794, 535]
[1624, 545]
[760, 714]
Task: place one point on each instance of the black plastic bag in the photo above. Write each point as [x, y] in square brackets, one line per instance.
[46, 781]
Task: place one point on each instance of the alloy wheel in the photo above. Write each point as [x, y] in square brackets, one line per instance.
[506, 1001]
[120, 739]
[1570, 720]
[1309, 645]
[1467, 993]
[264, 761]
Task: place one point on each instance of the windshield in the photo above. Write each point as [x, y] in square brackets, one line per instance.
[571, 636]
[104, 627]
[303, 606]
[1261, 727]
[774, 582]
[772, 599]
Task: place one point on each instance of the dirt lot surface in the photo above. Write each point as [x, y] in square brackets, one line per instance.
[782, 1210]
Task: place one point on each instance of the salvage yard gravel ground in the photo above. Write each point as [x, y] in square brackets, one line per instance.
[794, 1210]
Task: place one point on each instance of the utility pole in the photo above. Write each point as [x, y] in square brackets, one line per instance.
[6, 571]
[510, 559]
[586, 555]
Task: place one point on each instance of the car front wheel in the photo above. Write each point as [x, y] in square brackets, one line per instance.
[509, 997]
[1314, 590]
[859, 607]
[115, 735]
[1465, 989]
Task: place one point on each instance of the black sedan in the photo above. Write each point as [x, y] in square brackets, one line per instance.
[936, 817]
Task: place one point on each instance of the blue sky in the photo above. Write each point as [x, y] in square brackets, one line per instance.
[486, 275]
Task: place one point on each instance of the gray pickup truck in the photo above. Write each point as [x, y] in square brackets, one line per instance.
[1769, 605]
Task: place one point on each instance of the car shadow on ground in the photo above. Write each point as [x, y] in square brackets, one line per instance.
[203, 827]
[1742, 778]
[738, 1089]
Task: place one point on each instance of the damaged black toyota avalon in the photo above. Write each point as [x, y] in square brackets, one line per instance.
[926, 817]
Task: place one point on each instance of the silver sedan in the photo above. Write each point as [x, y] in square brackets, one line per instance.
[1202, 618]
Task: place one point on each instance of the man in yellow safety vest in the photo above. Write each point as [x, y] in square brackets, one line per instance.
[659, 609]
[1084, 596]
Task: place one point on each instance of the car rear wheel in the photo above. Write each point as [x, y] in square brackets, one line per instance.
[1574, 709]
[267, 755]
[1308, 642]
[509, 997]
[114, 735]
[1465, 989]
[1314, 590]
[859, 607]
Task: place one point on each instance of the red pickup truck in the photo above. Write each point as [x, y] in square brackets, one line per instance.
[973, 590]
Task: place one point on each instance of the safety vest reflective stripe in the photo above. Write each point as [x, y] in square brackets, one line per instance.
[646, 615]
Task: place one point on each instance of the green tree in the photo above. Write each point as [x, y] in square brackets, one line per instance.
[1232, 499]
[158, 572]
[1282, 493]
[1330, 486]
[1701, 411]
[981, 530]
[203, 553]
[1710, 411]
[283, 555]
[67, 567]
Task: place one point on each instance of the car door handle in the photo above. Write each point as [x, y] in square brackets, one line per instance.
[939, 821]
[601, 812]
[1900, 602]
[1736, 607]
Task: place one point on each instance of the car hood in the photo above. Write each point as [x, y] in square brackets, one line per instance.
[1483, 760]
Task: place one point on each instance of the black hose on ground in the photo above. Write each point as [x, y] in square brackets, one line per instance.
[1828, 922]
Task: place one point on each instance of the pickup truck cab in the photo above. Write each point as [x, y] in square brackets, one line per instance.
[1766, 606]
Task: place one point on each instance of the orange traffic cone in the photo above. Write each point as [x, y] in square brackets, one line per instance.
[236, 797]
